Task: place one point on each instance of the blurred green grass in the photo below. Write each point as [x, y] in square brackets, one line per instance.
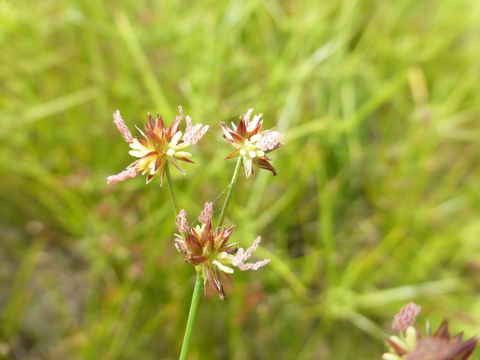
[376, 202]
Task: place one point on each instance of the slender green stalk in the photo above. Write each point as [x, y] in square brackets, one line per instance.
[229, 193]
[199, 281]
[172, 190]
[191, 315]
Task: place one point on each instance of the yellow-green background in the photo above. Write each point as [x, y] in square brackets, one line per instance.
[377, 201]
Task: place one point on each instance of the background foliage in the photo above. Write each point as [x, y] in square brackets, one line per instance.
[376, 202]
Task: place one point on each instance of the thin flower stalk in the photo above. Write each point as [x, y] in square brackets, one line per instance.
[233, 181]
[191, 316]
[171, 188]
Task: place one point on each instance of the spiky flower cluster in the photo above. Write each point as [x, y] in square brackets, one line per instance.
[203, 245]
[406, 317]
[160, 145]
[251, 142]
[207, 248]
[411, 344]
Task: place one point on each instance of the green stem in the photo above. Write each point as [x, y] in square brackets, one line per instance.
[172, 190]
[191, 315]
[229, 193]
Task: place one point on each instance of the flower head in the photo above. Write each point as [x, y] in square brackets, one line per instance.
[406, 317]
[411, 344]
[160, 144]
[251, 142]
[209, 251]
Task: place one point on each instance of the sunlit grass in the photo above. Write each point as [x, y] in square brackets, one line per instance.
[376, 202]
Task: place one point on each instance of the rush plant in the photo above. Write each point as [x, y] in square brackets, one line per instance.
[205, 244]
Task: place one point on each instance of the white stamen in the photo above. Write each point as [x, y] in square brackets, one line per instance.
[137, 153]
[255, 138]
[390, 356]
[175, 138]
[152, 168]
[136, 145]
[411, 337]
[247, 115]
[182, 154]
[247, 163]
[225, 269]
